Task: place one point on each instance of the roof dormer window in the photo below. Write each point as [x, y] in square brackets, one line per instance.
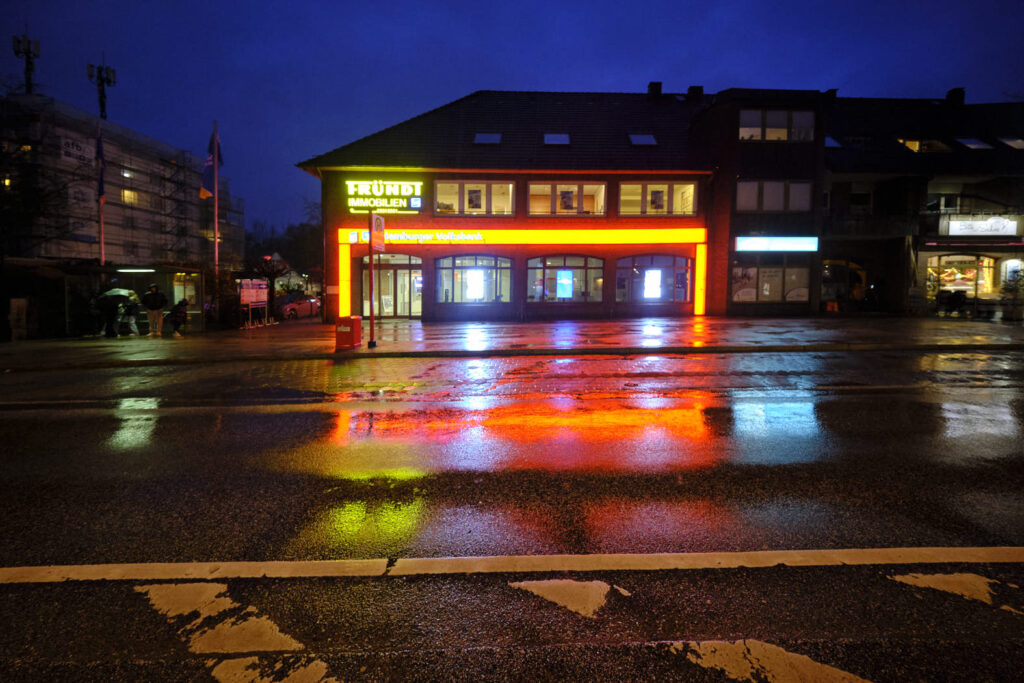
[1016, 143]
[556, 138]
[487, 139]
[642, 139]
[973, 143]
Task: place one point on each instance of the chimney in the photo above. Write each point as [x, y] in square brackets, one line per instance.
[695, 93]
[955, 96]
[654, 89]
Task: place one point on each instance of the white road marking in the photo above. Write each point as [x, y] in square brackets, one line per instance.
[510, 564]
[582, 597]
[224, 627]
[969, 586]
[754, 660]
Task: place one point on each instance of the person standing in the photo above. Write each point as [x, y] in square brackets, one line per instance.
[178, 316]
[127, 312]
[155, 303]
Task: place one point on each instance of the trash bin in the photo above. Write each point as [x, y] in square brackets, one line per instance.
[348, 333]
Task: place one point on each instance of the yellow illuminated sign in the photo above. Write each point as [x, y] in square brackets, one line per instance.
[384, 196]
[421, 236]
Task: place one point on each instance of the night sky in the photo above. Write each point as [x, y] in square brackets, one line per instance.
[287, 82]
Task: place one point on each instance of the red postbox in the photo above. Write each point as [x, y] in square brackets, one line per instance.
[348, 333]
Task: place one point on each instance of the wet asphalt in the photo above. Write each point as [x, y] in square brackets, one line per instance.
[351, 458]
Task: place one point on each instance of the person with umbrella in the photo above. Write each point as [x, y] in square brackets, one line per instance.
[109, 303]
[155, 301]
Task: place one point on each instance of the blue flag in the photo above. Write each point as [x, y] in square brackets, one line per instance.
[101, 163]
[206, 190]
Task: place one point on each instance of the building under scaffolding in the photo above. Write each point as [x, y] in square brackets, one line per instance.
[154, 220]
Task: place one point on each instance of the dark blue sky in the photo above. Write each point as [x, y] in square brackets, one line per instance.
[289, 80]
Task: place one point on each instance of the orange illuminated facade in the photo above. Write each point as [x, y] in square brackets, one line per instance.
[575, 250]
[507, 217]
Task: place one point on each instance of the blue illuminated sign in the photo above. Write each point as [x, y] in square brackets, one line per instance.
[776, 244]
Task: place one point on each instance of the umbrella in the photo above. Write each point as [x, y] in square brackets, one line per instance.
[118, 292]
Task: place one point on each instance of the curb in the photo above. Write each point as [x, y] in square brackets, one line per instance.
[360, 354]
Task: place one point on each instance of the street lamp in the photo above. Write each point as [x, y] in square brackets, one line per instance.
[103, 76]
[29, 49]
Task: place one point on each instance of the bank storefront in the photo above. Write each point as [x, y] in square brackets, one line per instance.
[965, 268]
[526, 274]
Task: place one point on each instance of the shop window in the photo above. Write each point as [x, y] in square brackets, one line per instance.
[654, 278]
[473, 198]
[776, 125]
[474, 279]
[972, 275]
[658, 199]
[770, 278]
[564, 279]
[567, 199]
[773, 195]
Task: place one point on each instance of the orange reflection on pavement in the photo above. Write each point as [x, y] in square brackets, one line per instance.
[614, 525]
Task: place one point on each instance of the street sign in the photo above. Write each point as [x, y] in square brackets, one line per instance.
[377, 238]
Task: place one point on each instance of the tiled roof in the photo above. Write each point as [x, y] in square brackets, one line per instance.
[598, 125]
[869, 130]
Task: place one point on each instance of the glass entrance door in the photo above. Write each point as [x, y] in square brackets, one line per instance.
[397, 292]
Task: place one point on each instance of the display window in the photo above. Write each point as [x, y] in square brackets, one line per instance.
[473, 279]
[770, 278]
[564, 279]
[973, 275]
[654, 278]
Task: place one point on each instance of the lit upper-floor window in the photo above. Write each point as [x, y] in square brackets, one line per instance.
[567, 199]
[773, 195]
[780, 125]
[129, 197]
[942, 202]
[658, 199]
[923, 146]
[474, 198]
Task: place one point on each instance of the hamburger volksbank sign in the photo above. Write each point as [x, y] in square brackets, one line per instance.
[384, 196]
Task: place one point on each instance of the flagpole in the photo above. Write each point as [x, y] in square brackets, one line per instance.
[216, 207]
[373, 342]
[103, 201]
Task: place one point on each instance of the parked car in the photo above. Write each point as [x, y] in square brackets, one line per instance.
[301, 308]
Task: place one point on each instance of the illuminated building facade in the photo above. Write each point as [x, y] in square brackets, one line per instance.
[518, 206]
[528, 205]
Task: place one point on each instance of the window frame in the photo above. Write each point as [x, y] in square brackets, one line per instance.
[588, 267]
[689, 268]
[786, 198]
[790, 130]
[670, 208]
[460, 209]
[498, 267]
[553, 209]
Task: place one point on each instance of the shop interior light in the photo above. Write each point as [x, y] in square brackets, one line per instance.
[652, 283]
[135, 270]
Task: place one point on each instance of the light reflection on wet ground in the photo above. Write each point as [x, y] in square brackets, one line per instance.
[535, 455]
